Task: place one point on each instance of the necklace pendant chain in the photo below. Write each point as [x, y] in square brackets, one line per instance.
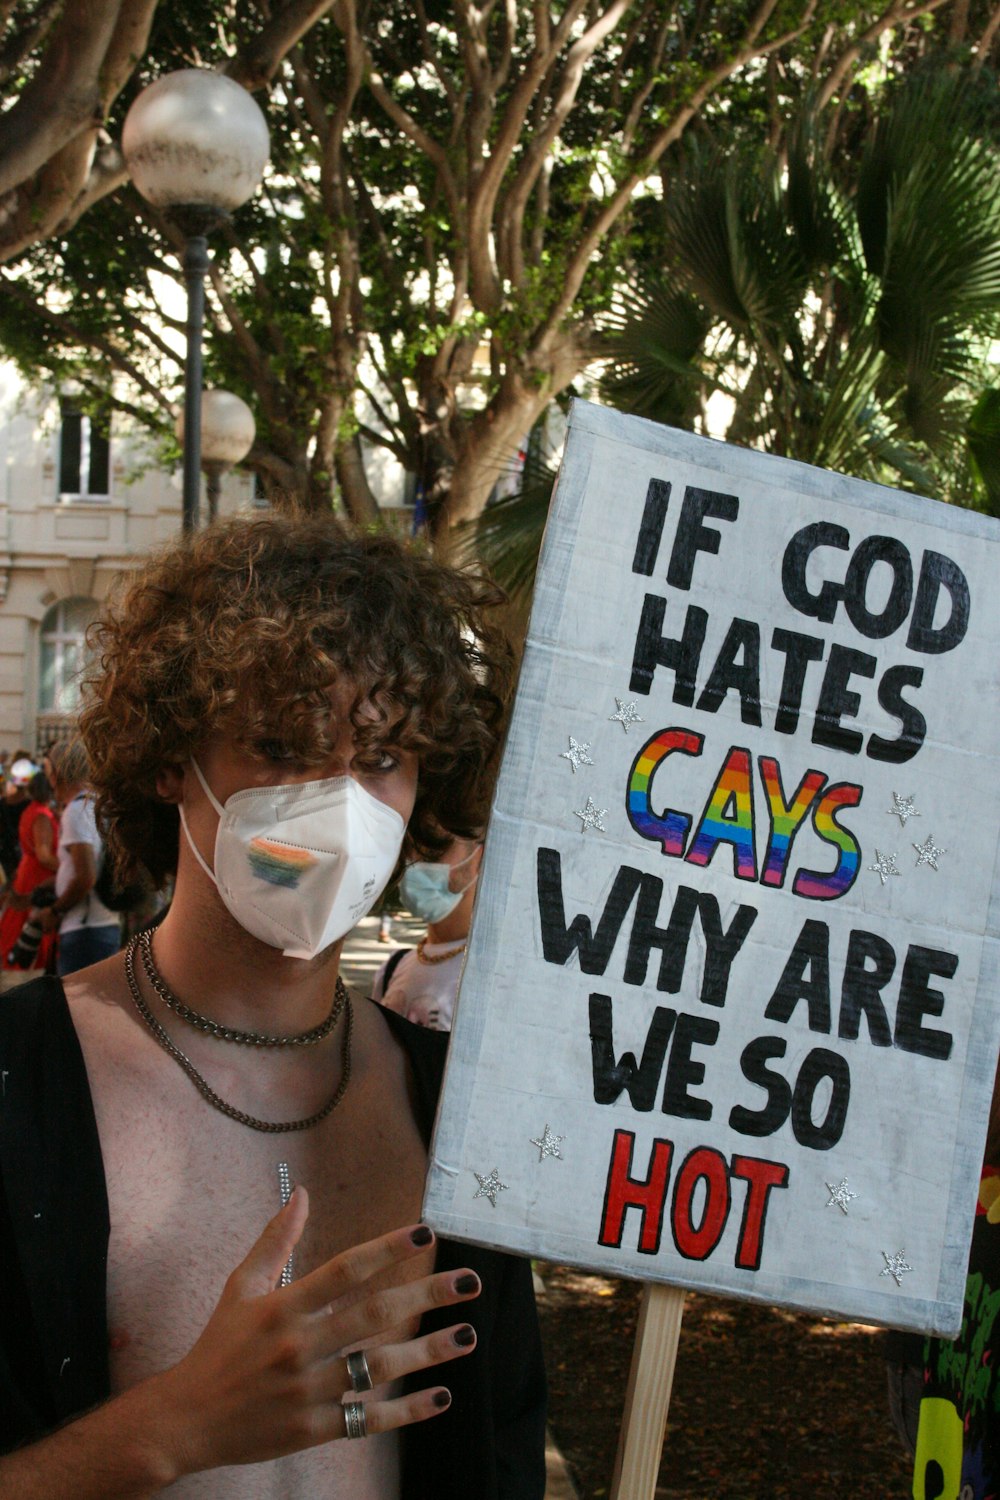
[270, 1127]
[228, 1033]
[437, 958]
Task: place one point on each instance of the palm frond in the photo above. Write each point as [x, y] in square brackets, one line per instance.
[983, 437]
[653, 336]
[507, 537]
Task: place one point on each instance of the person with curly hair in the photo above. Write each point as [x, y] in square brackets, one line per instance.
[206, 1146]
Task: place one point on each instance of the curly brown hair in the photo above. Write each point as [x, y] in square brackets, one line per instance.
[245, 627]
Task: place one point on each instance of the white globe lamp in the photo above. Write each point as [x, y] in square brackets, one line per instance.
[227, 433]
[195, 145]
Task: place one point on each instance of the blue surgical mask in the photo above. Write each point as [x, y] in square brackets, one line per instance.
[425, 889]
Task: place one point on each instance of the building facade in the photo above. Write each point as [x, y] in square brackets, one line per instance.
[76, 507]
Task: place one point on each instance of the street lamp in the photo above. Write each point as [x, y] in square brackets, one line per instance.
[195, 145]
[227, 433]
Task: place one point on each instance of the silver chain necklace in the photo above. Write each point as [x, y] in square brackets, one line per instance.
[228, 1033]
[271, 1127]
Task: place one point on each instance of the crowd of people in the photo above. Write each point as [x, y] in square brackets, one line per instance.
[59, 908]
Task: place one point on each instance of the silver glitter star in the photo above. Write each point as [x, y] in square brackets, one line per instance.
[928, 851]
[548, 1144]
[626, 715]
[884, 866]
[490, 1186]
[576, 754]
[903, 808]
[591, 816]
[896, 1266]
[840, 1195]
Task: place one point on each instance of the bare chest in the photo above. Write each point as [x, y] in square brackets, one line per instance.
[190, 1192]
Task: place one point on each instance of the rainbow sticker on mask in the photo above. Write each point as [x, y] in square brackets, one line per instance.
[277, 863]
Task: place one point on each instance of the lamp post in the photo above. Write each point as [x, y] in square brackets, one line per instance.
[227, 433]
[195, 145]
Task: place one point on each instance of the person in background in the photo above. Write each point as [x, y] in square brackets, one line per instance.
[421, 983]
[88, 930]
[38, 834]
[12, 804]
[945, 1393]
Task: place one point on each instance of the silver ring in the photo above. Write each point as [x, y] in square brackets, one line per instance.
[356, 1419]
[358, 1372]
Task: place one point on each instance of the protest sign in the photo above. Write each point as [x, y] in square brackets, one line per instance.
[729, 1018]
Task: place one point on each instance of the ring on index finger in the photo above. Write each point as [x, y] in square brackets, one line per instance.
[358, 1372]
[356, 1419]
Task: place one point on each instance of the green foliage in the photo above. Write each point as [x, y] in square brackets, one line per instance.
[847, 311]
[506, 537]
[372, 290]
[983, 436]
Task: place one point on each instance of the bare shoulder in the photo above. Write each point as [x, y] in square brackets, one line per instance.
[102, 1015]
[377, 1053]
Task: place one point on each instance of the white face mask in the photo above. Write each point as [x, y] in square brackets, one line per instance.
[298, 866]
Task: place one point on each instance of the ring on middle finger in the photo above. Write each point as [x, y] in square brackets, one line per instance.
[358, 1371]
[355, 1419]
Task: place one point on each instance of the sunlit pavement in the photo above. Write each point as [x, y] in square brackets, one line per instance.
[363, 955]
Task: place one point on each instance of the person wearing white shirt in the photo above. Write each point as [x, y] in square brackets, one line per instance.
[88, 930]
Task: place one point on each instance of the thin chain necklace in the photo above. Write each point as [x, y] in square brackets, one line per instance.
[270, 1127]
[437, 958]
[229, 1033]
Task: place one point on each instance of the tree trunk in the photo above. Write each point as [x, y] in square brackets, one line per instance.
[494, 435]
[485, 457]
[285, 482]
[355, 491]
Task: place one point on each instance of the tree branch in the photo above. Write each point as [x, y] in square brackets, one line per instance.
[146, 329]
[311, 97]
[17, 47]
[256, 63]
[959, 24]
[516, 199]
[64, 95]
[899, 10]
[383, 440]
[511, 124]
[84, 338]
[432, 57]
[142, 414]
[986, 39]
[750, 48]
[49, 172]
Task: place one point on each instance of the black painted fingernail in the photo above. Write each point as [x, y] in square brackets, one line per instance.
[422, 1235]
[442, 1399]
[465, 1336]
[467, 1283]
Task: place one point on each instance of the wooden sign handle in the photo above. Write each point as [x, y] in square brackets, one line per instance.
[647, 1398]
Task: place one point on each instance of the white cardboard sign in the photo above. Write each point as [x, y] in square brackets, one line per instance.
[729, 1017]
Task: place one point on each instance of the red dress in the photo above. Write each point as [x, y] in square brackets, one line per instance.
[29, 874]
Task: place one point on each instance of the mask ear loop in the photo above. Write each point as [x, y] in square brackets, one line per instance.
[187, 832]
[208, 790]
[469, 883]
